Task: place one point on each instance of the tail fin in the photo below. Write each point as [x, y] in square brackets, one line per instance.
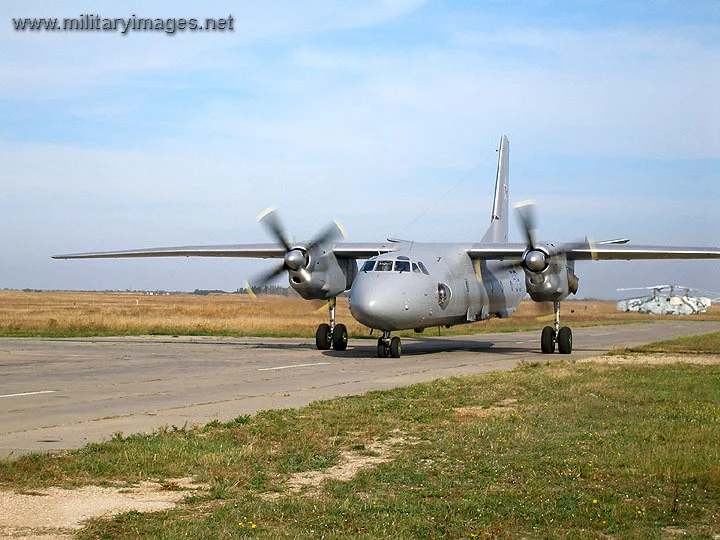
[498, 230]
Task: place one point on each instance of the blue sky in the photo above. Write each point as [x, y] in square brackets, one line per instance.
[369, 112]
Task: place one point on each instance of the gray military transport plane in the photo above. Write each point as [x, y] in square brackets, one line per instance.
[404, 284]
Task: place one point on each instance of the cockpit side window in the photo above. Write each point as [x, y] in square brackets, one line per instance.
[402, 266]
[368, 266]
[423, 269]
[384, 266]
[415, 268]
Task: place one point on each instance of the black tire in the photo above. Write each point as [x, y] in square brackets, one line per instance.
[340, 337]
[395, 347]
[382, 350]
[547, 340]
[323, 338]
[565, 340]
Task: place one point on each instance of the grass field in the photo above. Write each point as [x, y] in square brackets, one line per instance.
[563, 450]
[71, 314]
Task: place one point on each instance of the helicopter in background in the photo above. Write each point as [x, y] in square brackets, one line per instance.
[667, 300]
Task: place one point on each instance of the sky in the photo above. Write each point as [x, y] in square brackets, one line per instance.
[384, 114]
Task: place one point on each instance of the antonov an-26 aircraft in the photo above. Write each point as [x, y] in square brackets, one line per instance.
[404, 284]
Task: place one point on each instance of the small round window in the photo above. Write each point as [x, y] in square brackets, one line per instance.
[444, 294]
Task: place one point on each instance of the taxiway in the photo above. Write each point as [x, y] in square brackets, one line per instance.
[63, 393]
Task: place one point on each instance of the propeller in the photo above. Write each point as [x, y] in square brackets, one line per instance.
[536, 257]
[297, 257]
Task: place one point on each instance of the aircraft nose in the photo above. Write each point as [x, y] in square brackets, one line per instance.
[372, 305]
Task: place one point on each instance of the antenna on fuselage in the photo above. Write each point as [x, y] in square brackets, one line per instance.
[434, 203]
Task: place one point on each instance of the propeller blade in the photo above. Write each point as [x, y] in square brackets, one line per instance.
[588, 243]
[249, 290]
[526, 211]
[331, 232]
[324, 307]
[263, 279]
[271, 221]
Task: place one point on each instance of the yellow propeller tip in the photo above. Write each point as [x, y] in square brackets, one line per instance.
[265, 212]
[249, 290]
[593, 248]
[340, 227]
[524, 203]
[324, 306]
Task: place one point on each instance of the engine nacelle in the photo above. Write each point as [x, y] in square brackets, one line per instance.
[554, 283]
[329, 276]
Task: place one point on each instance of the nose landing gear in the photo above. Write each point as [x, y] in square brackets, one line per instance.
[331, 335]
[550, 336]
[387, 347]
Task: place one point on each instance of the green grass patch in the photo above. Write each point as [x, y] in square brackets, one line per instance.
[561, 450]
[703, 344]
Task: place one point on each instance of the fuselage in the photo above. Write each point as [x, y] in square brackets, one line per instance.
[427, 285]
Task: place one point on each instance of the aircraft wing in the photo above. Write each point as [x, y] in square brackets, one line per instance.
[484, 251]
[492, 251]
[626, 252]
[251, 251]
[260, 251]
[608, 250]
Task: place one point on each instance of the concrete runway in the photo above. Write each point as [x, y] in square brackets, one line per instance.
[63, 393]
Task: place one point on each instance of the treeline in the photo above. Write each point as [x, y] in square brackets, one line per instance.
[275, 290]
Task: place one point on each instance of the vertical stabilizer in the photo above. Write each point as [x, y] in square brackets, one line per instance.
[498, 230]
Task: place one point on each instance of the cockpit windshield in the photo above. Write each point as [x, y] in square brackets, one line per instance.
[402, 264]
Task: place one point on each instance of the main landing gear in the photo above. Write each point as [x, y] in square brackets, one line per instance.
[550, 336]
[387, 347]
[331, 335]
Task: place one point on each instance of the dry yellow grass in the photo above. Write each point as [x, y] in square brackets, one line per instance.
[114, 313]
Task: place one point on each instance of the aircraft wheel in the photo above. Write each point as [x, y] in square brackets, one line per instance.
[340, 337]
[564, 340]
[382, 350]
[395, 347]
[547, 340]
[323, 338]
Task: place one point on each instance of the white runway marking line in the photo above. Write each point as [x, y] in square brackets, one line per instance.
[295, 366]
[30, 393]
